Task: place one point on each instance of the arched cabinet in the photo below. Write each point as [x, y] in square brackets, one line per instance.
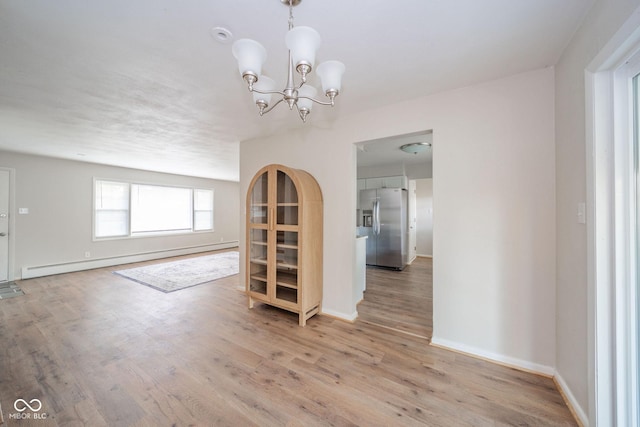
[284, 241]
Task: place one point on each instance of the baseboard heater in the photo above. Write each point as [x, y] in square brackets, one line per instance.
[89, 264]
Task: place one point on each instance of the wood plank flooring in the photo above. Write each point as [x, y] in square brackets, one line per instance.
[101, 350]
[400, 300]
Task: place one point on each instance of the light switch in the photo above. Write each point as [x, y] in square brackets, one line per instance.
[582, 213]
[23, 211]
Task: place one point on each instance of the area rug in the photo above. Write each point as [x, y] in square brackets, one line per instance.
[176, 275]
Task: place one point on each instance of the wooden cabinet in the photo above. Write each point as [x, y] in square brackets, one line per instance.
[399, 181]
[284, 241]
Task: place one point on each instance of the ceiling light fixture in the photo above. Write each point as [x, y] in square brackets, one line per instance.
[302, 43]
[415, 147]
[221, 34]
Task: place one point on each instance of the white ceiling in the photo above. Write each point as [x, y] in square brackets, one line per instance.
[143, 83]
[386, 151]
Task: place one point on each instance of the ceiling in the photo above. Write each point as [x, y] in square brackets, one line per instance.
[144, 84]
[386, 151]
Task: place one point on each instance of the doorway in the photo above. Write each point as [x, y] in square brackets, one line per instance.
[400, 300]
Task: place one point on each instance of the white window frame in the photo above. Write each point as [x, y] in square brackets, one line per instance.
[194, 210]
[133, 235]
[95, 209]
[612, 231]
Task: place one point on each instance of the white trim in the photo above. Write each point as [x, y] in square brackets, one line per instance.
[70, 267]
[494, 357]
[607, 274]
[348, 317]
[13, 210]
[575, 407]
[599, 248]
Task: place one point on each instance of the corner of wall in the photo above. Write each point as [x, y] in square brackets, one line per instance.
[578, 412]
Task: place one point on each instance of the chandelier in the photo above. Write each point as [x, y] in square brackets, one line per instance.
[302, 43]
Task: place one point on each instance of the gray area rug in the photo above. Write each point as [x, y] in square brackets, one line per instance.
[9, 290]
[176, 275]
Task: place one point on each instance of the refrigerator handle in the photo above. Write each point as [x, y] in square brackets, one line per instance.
[376, 217]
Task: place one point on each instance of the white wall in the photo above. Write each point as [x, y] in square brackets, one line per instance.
[424, 216]
[59, 196]
[603, 21]
[494, 222]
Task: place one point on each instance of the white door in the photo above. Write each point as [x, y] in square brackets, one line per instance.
[412, 229]
[4, 225]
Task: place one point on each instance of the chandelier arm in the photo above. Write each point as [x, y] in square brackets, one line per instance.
[331, 103]
[267, 92]
[273, 106]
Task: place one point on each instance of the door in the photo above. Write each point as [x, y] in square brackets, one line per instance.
[4, 225]
[257, 228]
[286, 237]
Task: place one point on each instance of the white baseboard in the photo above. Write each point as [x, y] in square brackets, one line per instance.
[70, 267]
[573, 404]
[348, 317]
[513, 362]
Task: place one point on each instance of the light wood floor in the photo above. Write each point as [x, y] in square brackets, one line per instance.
[98, 349]
[400, 300]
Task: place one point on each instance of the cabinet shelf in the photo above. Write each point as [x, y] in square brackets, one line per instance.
[286, 294]
[286, 246]
[283, 264]
[262, 261]
[288, 280]
[260, 277]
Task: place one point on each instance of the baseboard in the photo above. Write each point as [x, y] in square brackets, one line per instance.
[424, 256]
[501, 359]
[570, 400]
[70, 267]
[340, 316]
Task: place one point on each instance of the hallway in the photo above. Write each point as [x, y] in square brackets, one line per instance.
[400, 300]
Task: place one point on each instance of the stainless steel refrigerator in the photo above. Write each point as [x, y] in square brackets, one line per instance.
[384, 219]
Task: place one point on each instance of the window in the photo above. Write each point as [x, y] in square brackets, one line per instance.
[155, 209]
[111, 209]
[202, 210]
[127, 209]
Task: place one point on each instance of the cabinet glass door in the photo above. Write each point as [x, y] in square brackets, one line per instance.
[259, 208]
[258, 261]
[287, 266]
[287, 200]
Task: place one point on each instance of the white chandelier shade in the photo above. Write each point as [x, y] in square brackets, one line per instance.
[302, 42]
[251, 55]
[330, 73]
[304, 93]
[264, 85]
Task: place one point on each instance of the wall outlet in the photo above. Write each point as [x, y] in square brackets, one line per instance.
[87, 254]
[221, 239]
